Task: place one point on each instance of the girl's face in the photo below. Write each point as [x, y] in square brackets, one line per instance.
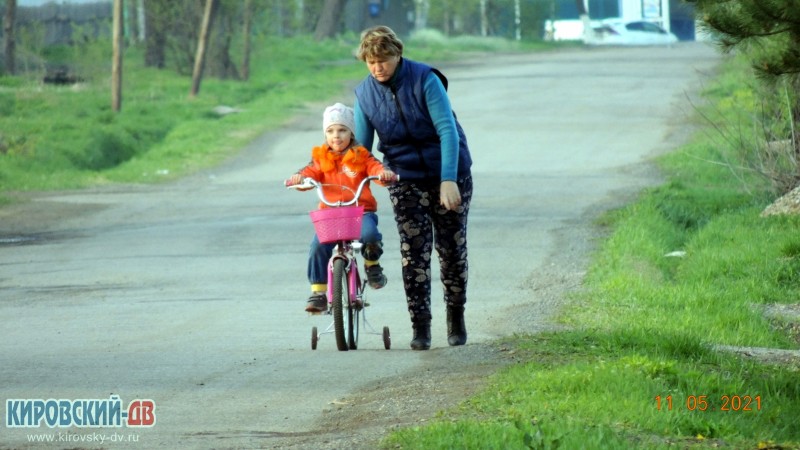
[382, 69]
[338, 137]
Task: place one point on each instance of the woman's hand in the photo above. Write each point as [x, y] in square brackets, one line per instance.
[449, 195]
[387, 176]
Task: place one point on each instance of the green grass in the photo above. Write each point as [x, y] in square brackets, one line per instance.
[66, 137]
[593, 389]
[645, 325]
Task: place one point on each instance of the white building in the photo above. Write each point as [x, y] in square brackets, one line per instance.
[673, 15]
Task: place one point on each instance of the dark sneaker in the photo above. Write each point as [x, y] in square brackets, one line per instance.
[317, 303]
[375, 277]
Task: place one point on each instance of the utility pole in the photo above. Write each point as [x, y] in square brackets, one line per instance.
[583, 13]
[484, 20]
[8, 32]
[246, 49]
[116, 62]
[200, 56]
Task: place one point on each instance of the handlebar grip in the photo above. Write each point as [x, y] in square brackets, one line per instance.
[307, 183]
[394, 179]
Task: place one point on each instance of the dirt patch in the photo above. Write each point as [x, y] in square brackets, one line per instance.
[361, 421]
[770, 356]
[786, 319]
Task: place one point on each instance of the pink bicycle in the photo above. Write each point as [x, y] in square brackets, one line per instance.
[341, 224]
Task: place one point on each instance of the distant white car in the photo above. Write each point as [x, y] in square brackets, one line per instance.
[638, 32]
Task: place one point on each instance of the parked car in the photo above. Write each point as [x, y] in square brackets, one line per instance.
[637, 32]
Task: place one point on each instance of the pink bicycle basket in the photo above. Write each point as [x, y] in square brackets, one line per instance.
[338, 224]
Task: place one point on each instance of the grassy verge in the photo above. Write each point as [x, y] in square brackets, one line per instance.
[639, 368]
[67, 137]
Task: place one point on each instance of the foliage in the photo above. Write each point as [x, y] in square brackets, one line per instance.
[175, 26]
[54, 137]
[66, 136]
[454, 18]
[768, 29]
[756, 120]
[767, 32]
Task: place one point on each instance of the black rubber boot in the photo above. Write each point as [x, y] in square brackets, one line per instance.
[456, 329]
[422, 335]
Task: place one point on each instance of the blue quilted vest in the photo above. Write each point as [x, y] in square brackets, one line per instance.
[407, 137]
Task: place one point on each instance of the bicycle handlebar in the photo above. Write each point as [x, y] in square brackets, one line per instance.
[310, 183]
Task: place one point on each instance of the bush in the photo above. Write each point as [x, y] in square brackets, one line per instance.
[106, 149]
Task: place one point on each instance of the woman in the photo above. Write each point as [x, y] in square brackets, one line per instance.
[405, 102]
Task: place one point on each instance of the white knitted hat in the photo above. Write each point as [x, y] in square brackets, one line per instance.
[339, 114]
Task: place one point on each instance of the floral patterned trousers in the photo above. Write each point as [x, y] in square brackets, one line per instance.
[424, 224]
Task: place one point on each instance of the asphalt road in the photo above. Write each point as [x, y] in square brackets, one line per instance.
[191, 293]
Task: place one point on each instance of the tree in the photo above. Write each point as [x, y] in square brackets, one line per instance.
[484, 19]
[770, 26]
[133, 20]
[156, 22]
[768, 33]
[226, 18]
[246, 50]
[202, 44]
[116, 63]
[421, 8]
[8, 32]
[329, 20]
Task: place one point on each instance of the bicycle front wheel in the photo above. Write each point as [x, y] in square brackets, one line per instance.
[340, 297]
[353, 323]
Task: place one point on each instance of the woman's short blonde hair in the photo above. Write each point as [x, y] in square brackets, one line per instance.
[379, 43]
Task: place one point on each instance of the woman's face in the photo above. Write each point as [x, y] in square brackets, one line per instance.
[382, 69]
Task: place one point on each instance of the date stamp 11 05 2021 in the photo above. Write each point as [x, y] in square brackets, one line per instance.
[724, 403]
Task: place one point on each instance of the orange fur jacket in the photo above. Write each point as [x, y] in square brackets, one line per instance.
[343, 169]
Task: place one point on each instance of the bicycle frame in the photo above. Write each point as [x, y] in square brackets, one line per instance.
[344, 251]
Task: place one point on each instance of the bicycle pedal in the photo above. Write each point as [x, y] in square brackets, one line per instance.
[359, 305]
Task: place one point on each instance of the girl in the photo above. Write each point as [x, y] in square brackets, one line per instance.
[341, 161]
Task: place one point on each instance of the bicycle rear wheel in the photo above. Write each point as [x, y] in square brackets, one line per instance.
[340, 297]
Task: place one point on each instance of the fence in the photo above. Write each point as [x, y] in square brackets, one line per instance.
[63, 23]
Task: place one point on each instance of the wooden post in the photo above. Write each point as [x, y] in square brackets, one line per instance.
[484, 19]
[246, 49]
[116, 62]
[200, 56]
[8, 32]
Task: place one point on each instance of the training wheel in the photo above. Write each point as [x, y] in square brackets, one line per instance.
[387, 340]
[314, 338]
